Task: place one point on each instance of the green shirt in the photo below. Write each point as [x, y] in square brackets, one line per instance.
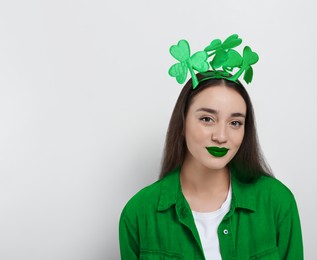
[263, 223]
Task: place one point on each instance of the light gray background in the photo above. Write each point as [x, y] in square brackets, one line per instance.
[85, 100]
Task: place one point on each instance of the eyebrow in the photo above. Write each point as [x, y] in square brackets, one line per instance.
[213, 111]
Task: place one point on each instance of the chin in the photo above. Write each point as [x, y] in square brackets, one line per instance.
[216, 164]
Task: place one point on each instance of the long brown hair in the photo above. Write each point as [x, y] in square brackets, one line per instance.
[248, 163]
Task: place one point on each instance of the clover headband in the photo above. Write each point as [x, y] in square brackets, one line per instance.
[224, 58]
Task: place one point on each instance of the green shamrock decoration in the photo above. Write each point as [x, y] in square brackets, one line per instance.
[197, 61]
[220, 50]
[249, 58]
[224, 58]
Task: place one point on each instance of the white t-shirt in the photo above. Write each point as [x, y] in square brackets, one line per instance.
[207, 226]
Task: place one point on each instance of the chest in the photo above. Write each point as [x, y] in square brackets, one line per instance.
[173, 234]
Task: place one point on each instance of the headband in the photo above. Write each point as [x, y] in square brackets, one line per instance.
[218, 56]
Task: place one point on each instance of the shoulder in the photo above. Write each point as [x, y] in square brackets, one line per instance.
[272, 187]
[272, 195]
[147, 200]
[143, 200]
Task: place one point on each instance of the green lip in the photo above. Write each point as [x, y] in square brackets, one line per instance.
[217, 151]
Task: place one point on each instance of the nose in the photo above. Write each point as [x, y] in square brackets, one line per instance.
[219, 134]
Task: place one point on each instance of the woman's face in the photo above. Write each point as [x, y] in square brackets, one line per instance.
[215, 119]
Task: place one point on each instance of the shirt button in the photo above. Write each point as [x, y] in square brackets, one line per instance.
[225, 231]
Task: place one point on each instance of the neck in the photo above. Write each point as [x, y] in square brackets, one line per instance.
[198, 177]
[205, 189]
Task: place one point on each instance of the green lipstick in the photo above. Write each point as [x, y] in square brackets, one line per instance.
[217, 151]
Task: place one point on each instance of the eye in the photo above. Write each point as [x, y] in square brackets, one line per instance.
[236, 124]
[206, 119]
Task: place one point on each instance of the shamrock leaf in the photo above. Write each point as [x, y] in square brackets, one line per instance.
[197, 61]
[248, 74]
[179, 71]
[214, 45]
[220, 57]
[234, 59]
[181, 51]
[220, 50]
[249, 58]
[231, 42]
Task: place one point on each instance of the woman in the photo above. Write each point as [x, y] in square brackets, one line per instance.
[216, 197]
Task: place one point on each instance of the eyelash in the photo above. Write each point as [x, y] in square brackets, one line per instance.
[209, 120]
[203, 119]
[239, 124]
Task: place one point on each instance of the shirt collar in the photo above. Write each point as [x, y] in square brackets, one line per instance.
[170, 190]
[242, 193]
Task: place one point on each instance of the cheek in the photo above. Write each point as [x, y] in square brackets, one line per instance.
[196, 133]
[237, 138]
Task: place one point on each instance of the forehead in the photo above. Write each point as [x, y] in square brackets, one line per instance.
[220, 98]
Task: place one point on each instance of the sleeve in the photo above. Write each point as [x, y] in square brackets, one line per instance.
[128, 238]
[289, 237]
